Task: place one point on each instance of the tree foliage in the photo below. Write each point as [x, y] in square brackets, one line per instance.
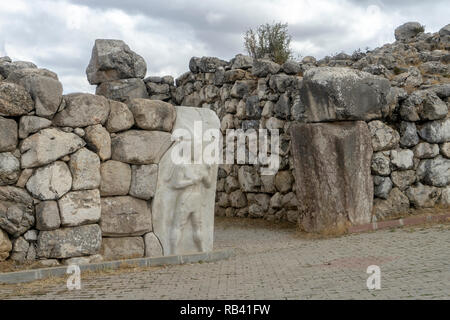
[269, 40]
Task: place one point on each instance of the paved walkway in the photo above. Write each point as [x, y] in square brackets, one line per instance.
[278, 263]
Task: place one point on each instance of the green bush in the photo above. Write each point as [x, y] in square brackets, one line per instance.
[269, 40]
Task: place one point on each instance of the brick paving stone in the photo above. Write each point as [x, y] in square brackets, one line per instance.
[277, 263]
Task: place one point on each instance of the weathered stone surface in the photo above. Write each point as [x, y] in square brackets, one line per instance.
[262, 68]
[241, 61]
[402, 159]
[16, 210]
[123, 90]
[20, 250]
[23, 178]
[125, 216]
[114, 60]
[43, 86]
[122, 248]
[140, 147]
[79, 207]
[383, 136]
[50, 182]
[426, 150]
[249, 179]
[396, 203]
[382, 186]
[47, 216]
[143, 181]
[85, 168]
[14, 100]
[407, 31]
[408, 134]
[5, 245]
[153, 114]
[69, 242]
[445, 197]
[435, 172]
[291, 67]
[120, 117]
[82, 110]
[445, 149]
[422, 196]
[9, 169]
[152, 245]
[205, 64]
[343, 94]
[381, 163]
[238, 199]
[32, 124]
[332, 173]
[423, 105]
[403, 179]
[115, 178]
[8, 66]
[31, 235]
[436, 131]
[99, 141]
[8, 134]
[283, 181]
[183, 206]
[47, 146]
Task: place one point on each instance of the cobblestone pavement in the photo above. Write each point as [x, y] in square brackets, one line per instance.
[280, 263]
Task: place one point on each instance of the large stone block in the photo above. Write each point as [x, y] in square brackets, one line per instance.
[5, 245]
[122, 248]
[16, 210]
[47, 216]
[143, 181]
[82, 110]
[332, 94]
[99, 141]
[153, 114]
[116, 178]
[43, 86]
[79, 207]
[140, 147]
[69, 242]
[47, 146]
[9, 169]
[125, 216]
[14, 100]
[183, 206]
[85, 168]
[114, 60]
[123, 90]
[8, 134]
[332, 173]
[50, 182]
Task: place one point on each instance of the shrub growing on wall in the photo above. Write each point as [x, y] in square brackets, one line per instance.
[269, 40]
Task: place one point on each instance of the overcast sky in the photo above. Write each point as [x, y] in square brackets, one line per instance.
[58, 35]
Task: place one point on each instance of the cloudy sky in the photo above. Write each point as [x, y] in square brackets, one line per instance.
[59, 35]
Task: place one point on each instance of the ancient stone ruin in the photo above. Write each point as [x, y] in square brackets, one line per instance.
[84, 177]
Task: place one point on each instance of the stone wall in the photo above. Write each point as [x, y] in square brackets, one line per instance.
[78, 172]
[407, 117]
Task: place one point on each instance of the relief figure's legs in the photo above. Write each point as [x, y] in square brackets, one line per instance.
[180, 219]
[197, 227]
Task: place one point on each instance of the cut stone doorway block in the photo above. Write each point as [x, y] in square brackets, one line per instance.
[332, 173]
[183, 207]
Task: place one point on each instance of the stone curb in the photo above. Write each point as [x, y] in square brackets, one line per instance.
[38, 274]
[410, 221]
